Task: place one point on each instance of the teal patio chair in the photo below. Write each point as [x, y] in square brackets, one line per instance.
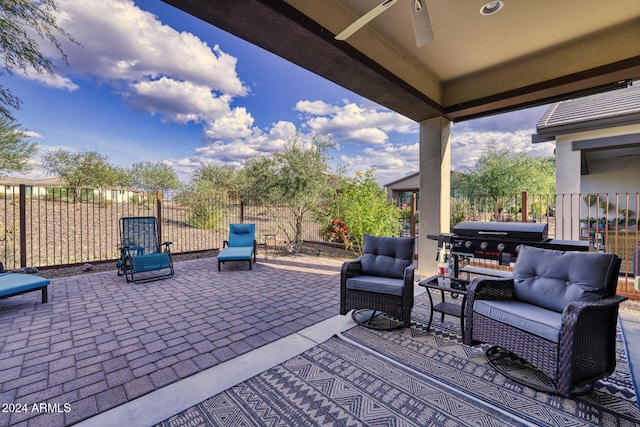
[241, 245]
[140, 253]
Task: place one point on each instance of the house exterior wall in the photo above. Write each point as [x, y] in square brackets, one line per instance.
[410, 183]
[39, 191]
[606, 176]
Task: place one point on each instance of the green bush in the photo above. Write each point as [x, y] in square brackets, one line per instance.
[460, 207]
[204, 216]
[362, 206]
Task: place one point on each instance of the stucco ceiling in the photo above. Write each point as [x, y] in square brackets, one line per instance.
[529, 53]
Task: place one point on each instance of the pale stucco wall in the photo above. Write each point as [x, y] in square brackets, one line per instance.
[619, 175]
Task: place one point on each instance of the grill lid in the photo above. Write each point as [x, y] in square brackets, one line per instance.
[519, 231]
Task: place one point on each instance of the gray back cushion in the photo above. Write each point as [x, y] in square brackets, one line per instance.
[552, 279]
[386, 256]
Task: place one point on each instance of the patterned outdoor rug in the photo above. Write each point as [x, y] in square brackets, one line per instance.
[406, 377]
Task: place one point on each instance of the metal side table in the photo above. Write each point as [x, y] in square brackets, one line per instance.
[458, 287]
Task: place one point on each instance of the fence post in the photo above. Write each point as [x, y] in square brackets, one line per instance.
[159, 214]
[23, 225]
[525, 204]
[241, 212]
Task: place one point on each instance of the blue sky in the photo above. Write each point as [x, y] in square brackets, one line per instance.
[150, 83]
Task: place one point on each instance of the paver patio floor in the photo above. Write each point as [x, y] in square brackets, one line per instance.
[100, 342]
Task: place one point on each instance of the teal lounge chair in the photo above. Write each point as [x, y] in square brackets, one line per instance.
[140, 252]
[241, 245]
[16, 284]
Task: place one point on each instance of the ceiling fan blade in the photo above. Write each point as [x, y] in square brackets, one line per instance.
[365, 19]
[421, 22]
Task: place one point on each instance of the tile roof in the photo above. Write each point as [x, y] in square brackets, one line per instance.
[614, 106]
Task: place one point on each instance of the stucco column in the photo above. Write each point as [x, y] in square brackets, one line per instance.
[568, 190]
[435, 189]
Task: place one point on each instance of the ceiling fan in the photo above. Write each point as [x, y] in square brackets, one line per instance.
[419, 13]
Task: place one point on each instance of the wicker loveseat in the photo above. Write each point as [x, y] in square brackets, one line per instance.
[381, 279]
[558, 312]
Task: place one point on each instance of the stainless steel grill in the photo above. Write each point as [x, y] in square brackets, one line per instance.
[501, 241]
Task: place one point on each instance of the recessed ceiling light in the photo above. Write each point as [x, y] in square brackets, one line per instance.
[491, 7]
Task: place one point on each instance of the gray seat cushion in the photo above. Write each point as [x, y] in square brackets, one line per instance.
[553, 279]
[533, 319]
[381, 285]
[386, 256]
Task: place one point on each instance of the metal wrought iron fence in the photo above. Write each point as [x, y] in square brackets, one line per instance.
[53, 226]
[609, 221]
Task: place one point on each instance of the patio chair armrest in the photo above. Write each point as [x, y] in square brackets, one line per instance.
[349, 269]
[484, 289]
[572, 312]
[132, 250]
[587, 328]
[492, 288]
[166, 246]
[409, 272]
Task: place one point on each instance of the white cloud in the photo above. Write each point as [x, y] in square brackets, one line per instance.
[122, 42]
[181, 101]
[236, 124]
[390, 162]
[366, 123]
[153, 67]
[235, 150]
[316, 108]
[32, 134]
[53, 80]
[371, 135]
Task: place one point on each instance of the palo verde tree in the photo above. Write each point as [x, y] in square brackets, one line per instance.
[15, 148]
[207, 194]
[216, 178]
[361, 205]
[296, 179]
[150, 177]
[500, 173]
[84, 169]
[22, 23]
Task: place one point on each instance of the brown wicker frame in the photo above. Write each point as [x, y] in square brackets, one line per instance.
[398, 307]
[587, 348]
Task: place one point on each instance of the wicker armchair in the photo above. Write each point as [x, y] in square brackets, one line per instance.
[559, 313]
[381, 279]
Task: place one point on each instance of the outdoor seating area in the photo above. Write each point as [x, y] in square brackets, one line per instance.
[379, 281]
[102, 351]
[558, 312]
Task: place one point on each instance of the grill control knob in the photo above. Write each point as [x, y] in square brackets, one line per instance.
[468, 244]
[501, 247]
[484, 246]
